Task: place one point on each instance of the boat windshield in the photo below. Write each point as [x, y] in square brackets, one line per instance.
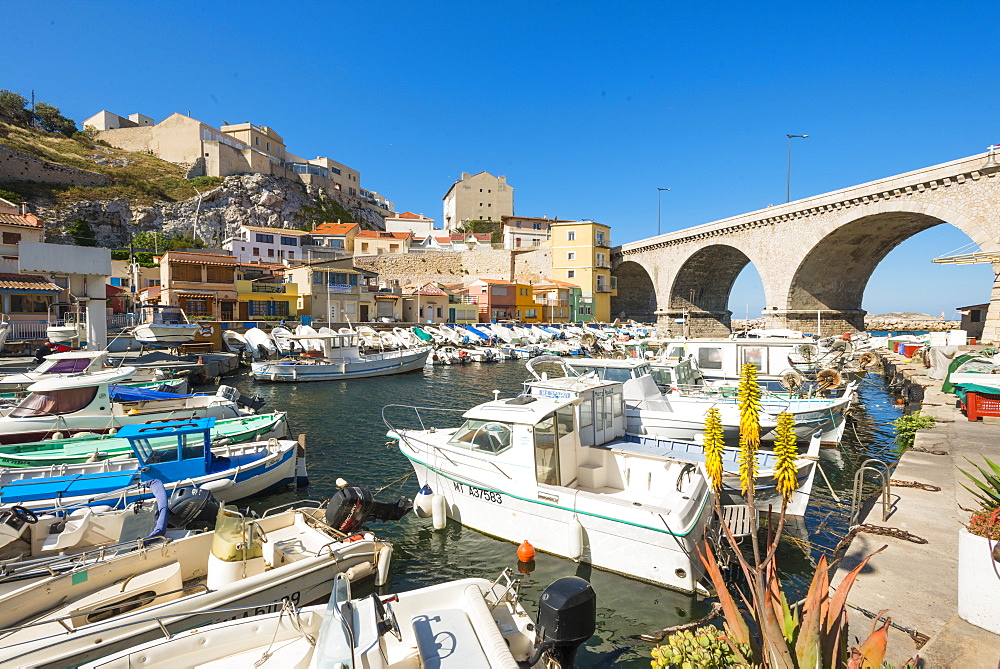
[67, 366]
[163, 315]
[619, 374]
[54, 402]
[486, 436]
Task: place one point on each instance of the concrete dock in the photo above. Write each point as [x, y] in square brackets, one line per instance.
[918, 583]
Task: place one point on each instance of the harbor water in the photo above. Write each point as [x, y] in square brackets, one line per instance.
[346, 439]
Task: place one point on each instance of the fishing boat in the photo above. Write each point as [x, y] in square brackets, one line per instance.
[245, 566]
[163, 326]
[95, 447]
[553, 468]
[230, 472]
[260, 344]
[59, 407]
[234, 341]
[341, 358]
[460, 624]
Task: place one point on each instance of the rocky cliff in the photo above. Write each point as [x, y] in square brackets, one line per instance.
[247, 199]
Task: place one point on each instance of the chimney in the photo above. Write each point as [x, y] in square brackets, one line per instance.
[465, 175]
[23, 208]
[502, 179]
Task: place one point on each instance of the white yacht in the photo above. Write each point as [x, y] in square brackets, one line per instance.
[67, 324]
[70, 364]
[554, 469]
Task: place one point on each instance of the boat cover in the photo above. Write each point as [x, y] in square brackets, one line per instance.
[477, 332]
[133, 394]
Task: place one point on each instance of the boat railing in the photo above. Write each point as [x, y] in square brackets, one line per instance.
[423, 419]
[314, 504]
[57, 564]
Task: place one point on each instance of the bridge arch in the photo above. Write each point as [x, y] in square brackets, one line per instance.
[701, 288]
[636, 298]
[833, 274]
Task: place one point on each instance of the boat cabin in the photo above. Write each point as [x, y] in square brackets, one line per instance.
[723, 358]
[161, 314]
[72, 362]
[191, 455]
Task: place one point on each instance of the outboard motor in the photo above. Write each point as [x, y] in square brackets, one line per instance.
[567, 617]
[191, 505]
[233, 395]
[351, 507]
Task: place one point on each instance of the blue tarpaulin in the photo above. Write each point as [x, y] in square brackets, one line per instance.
[132, 394]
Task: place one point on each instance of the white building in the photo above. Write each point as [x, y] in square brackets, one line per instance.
[418, 224]
[270, 245]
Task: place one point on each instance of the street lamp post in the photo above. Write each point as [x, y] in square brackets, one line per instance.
[788, 178]
[658, 192]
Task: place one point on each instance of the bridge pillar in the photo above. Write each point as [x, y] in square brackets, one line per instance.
[694, 323]
[991, 328]
[830, 321]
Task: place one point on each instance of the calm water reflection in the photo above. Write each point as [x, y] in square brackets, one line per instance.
[346, 438]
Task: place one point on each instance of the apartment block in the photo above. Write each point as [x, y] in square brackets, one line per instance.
[272, 245]
[477, 197]
[581, 255]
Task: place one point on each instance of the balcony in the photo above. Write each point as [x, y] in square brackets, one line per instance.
[462, 299]
[603, 244]
[247, 286]
[603, 289]
[603, 265]
[548, 302]
[267, 288]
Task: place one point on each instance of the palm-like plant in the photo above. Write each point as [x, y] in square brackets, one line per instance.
[773, 633]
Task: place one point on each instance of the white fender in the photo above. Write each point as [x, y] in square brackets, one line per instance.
[575, 538]
[439, 512]
[384, 558]
[422, 503]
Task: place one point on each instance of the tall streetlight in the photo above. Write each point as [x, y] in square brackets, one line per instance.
[788, 180]
[658, 192]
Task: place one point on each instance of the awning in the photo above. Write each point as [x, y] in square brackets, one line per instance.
[196, 295]
[26, 282]
[387, 297]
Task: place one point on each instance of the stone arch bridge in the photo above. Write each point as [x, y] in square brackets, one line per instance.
[814, 256]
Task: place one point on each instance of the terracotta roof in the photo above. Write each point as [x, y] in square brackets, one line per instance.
[495, 281]
[409, 214]
[201, 258]
[444, 240]
[428, 289]
[24, 220]
[278, 231]
[376, 234]
[555, 282]
[334, 228]
[26, 282]
[482, 236]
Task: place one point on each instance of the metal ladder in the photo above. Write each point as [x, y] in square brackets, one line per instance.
[881, 472]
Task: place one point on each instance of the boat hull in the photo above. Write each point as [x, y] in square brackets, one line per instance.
[646, 553]
[167, 336]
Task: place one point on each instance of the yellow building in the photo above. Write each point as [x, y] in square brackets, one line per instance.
[581, 255]
[266, 296]
[525, 307]
[555, 299]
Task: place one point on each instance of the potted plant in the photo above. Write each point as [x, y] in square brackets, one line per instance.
[979, 552]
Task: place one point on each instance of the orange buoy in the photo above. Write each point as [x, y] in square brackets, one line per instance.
[526, 552]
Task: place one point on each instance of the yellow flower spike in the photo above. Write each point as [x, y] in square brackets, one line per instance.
[786, 452]
[713, 447]
[749, 401]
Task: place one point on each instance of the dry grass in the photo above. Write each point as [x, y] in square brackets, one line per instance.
[144, 180]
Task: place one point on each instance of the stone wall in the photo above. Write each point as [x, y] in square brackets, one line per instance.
[18, 166]
[459, 267]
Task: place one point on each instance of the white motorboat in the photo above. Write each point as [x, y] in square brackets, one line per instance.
[67, 405]
[554, 469]
[282, 340]
[456, 625]
[405, 337]
[163, 326]
[234, 341]
[260, 343]
[367, 334]
[70, 363]
[67, 323]
[341, 359]
[245, 566]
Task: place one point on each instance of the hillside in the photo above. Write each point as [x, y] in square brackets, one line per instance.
[132, 193]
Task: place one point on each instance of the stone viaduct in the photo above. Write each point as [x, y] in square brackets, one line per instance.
[814, 256]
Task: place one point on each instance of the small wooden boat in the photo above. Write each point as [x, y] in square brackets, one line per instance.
[456, 625]
[341, 359]
[230, 472]
[91, 447]
[245, 566]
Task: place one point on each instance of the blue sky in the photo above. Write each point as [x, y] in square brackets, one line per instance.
[586, 107]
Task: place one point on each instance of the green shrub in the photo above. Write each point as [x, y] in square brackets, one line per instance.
[907, 426]
[704, 647]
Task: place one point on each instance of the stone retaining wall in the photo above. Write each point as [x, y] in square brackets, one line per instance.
[459, 267]
[18, 166]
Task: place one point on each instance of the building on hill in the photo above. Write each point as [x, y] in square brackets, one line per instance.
[202, 284]
[232, 149]
[525, 231]
[272, 245]
[479, 197]
[329, 241]
[581, 254]
[375, 243]
[418, 224]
